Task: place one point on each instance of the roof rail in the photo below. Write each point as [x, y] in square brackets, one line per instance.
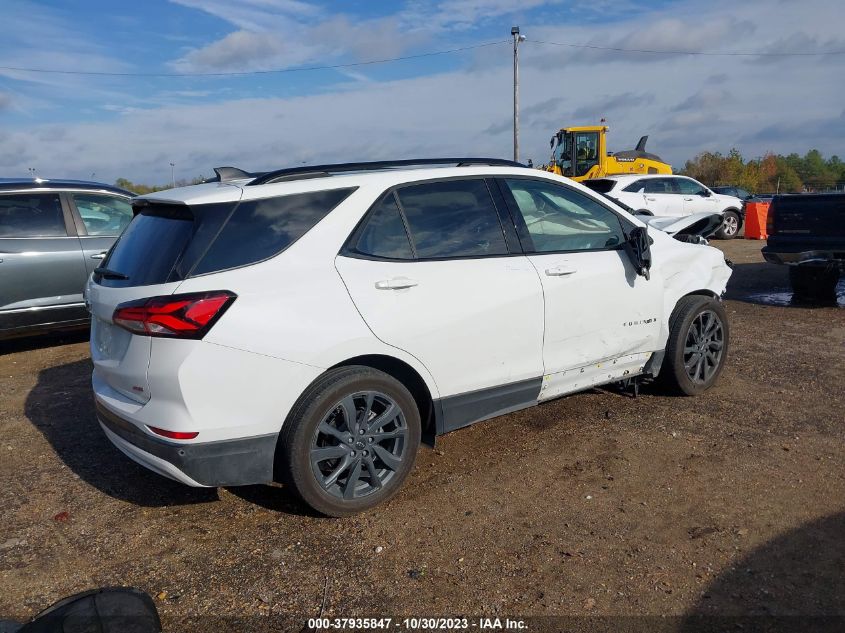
[319, 171]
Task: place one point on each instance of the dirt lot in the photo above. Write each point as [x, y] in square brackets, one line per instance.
[598, 504]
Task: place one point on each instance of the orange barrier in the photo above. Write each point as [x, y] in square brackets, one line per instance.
[755, 220]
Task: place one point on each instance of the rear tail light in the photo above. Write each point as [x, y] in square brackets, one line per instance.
[175, 316]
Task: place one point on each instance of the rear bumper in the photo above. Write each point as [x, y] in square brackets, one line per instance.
[233, 462]
[821, 258]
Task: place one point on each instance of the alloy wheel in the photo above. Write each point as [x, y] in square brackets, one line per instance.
[704, 346]
[730, 224]
[359, 445]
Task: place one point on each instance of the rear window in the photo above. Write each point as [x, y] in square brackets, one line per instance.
[166, 242]
[600, 185]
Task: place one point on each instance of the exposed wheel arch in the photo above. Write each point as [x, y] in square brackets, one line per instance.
[705, 292]
[408, 376]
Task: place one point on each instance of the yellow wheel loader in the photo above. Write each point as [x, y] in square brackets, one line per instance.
[581, 153]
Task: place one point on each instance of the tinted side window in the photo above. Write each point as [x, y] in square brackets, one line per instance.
[561, 219]
[635, 186]
[689, 187]
[454, 218]
[659, 185]
[602, 185]
[31, 215]
[102, 214]
[260, 229]
[384, 234]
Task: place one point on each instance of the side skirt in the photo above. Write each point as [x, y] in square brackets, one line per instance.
[458, 411]
[455, 412]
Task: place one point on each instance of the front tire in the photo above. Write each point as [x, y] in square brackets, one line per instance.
[697, 347]
[350, 441]
[730, 226]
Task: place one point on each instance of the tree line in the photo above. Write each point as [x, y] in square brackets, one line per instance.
[771, 173]
[141, 189]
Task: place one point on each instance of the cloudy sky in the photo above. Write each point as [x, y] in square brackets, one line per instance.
[131, 125]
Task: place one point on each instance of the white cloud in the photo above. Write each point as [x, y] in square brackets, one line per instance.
[276, 34]
[465, 14]
[256, 15]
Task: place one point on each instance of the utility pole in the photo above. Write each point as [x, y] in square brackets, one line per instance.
[517, 38]
[173, 174]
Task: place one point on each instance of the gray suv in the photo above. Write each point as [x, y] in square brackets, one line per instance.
[53, 233]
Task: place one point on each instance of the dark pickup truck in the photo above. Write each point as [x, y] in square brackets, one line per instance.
[807, 233]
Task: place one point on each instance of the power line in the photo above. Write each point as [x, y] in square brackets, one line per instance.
[700, 53]
[371, 62]
[253, 72]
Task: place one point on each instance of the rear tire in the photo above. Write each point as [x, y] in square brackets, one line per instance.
[697, 347]
[813, 283]
[349, 441]
[730, 226]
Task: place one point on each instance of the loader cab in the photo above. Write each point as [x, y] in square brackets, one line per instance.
[577, 151]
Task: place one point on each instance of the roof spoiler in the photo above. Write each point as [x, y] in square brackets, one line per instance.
[224, 174]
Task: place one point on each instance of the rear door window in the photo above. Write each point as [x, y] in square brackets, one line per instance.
[659, 185]
[31, 215]
[453, 218]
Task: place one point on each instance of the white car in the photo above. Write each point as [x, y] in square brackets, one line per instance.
[313, 324]
[662, 195]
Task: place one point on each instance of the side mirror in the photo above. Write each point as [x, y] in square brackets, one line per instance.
[705, 193]
[638, 248]
[110, 610]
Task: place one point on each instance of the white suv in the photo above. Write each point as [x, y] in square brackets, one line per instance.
[313, 324]
[662, 195]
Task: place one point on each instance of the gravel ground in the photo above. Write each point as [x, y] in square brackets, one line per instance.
[598, 504]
